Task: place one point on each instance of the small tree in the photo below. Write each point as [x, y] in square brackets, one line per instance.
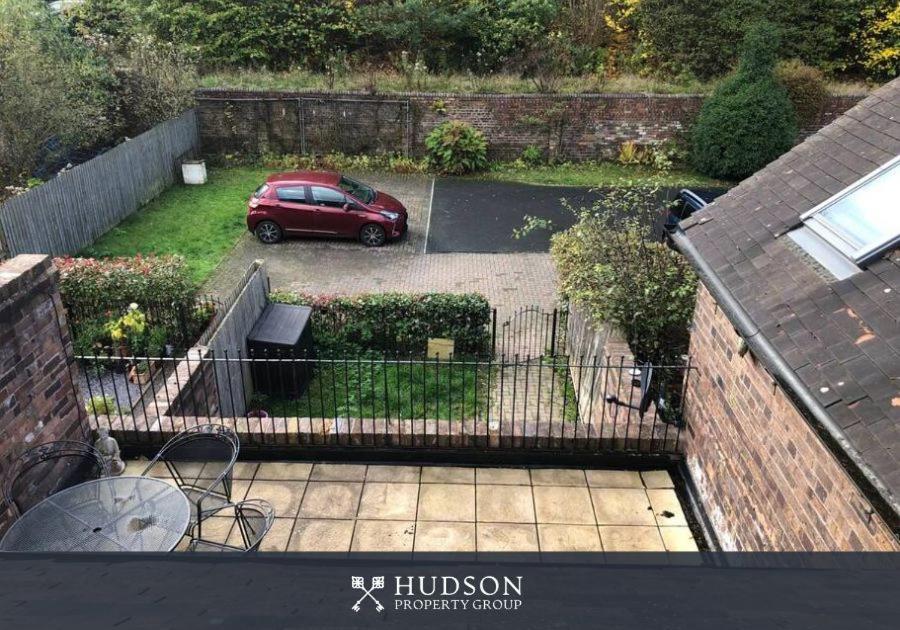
[610, 264]
[749, 120]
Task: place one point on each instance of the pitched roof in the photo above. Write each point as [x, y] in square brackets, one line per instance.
[841, 338]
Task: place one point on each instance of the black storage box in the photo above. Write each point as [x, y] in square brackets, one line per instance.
[282, 331]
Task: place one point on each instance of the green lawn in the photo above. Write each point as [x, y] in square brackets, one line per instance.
[202, 223]
[595, 174]
[432, 390]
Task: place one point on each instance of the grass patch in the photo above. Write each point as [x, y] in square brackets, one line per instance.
[369, 389]
[596, 174]
[201, 223]
[386, 81]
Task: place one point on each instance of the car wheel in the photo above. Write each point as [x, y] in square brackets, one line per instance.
[372, 235]
[268, 232]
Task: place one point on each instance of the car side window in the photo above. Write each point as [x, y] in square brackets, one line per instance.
[328, 197]
[295, 194]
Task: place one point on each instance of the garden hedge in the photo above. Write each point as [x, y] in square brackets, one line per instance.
[395, 322]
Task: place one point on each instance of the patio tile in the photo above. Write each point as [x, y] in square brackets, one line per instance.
[557, 477]
[507, 537]
[678, 538]
[631, 538]
[503, 476]
[569, 538]
[622, 506]
[667, 508]
[446, 502]
[279, 536]
[383, 536]
[447, 474]
[239, 488]
[285, 496]
[321, 535]
[244, 470]
[657, 479]
[331, 499]
[504, 504]
[216, 529]
[398, 474]
[135, 467]
[338, 472]
[284, 471]
[563, 505]
[445, 537]
[614, 479]
[391, 501]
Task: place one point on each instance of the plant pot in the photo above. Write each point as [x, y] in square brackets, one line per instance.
[138, 378]
[193, 172]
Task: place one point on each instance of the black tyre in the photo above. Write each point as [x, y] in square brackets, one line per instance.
[268, 232]
[372, 235]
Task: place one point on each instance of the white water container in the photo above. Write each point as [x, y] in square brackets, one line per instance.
[194, 171]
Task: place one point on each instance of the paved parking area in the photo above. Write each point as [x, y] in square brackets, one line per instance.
[470, 215]
[344, 267]
[349, 507]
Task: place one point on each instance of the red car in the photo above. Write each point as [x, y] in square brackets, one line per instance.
[323, 203]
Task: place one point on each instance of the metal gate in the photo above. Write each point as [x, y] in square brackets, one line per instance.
[355, 126]
[532, 332]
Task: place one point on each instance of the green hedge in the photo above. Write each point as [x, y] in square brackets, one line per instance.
[395, 322]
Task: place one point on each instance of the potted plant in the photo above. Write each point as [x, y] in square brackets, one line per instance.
[256, 405]
[140, 373]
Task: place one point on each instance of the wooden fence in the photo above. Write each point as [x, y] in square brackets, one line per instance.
[73, 209]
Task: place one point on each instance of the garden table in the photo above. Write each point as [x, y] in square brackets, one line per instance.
[108, 514]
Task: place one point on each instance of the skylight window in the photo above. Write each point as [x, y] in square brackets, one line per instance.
[863, 220]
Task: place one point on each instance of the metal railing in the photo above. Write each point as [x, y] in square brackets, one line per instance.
[551, 403]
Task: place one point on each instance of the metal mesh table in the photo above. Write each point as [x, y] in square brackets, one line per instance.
[109, 514]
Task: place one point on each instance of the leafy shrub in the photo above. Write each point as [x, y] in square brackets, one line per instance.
[456, 148]
[749, 120]
[342, 162]
[620, 274]
[395, 322]
[805, 87]
[54, 89]
[101, 406]
[532, 156]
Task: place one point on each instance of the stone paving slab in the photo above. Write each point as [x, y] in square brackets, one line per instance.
[350, 507]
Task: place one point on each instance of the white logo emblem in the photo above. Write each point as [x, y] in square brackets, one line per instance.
[360, 584]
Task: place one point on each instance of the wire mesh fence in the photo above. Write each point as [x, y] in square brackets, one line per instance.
[550, 402]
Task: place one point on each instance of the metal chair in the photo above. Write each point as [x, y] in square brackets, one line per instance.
[44, 470]
[200, 460]
[254, 518]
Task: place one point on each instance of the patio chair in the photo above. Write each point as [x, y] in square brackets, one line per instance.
[200, 460]
[46, 469]
[254, 519]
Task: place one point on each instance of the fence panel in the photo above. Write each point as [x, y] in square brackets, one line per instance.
[72, 210]
[555, 404]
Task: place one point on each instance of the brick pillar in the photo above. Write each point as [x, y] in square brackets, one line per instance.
[38, 399]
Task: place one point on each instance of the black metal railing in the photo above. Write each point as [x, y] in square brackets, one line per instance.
[550, 402]
[530, 331]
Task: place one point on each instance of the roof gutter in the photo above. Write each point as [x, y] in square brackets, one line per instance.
[811, 409]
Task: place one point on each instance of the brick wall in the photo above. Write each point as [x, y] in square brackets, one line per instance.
[38, 401]
[577, 127]
[766, 480]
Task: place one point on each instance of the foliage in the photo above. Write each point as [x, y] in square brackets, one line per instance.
[54, 89]
[877, 39]
[749, 120]
[90, 286]
[610, 264]
[806, 88]
[456, 148]
[342, 162]
[532, 156]
[593, 174]
[395, 322]
[129, 327]
[102, 406]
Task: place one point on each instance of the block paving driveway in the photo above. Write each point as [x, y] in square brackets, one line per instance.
[351, 507]
[509, 280]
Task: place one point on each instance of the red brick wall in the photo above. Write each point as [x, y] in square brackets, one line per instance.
[766, 480]
[38, 402]
[575, 127]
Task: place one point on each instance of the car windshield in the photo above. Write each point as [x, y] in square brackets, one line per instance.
[364, 193]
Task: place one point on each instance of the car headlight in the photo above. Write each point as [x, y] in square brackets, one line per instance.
[393, 216]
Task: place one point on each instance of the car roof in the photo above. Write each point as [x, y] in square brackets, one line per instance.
[304, 177]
